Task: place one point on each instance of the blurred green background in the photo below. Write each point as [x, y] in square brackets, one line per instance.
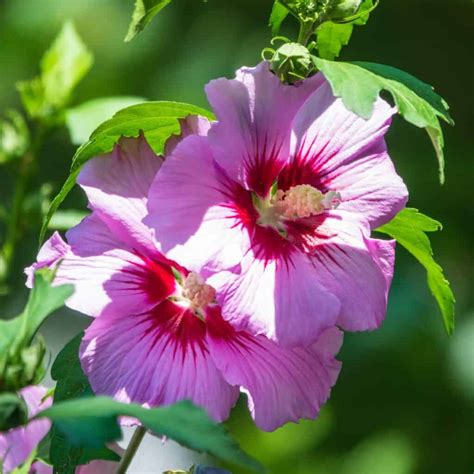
[404, 403]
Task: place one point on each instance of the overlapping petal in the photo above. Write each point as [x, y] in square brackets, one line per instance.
[156, 358]
[290, 280]
[281, 384]
[254, 112]
[355, 268]
[106, 274]
[280, 299]
[189, 212]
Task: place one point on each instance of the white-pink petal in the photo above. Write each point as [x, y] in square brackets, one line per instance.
[282, 385]
[117, 187]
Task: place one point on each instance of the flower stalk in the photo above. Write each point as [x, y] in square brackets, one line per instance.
[132, 449]
[307, 28]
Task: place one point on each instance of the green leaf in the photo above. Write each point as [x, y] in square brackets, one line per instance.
[409, 229]
[14, 136]
[62, 67]
[82, 120]
[331, 37]
[334, 34]
[93, 422]
[277, 16]
[64, 220]
[143, 13]
[43, 300]
[67, 372]
[420, 88]
[157, 120]
[358, 87]
[72, 384]
[21, 357]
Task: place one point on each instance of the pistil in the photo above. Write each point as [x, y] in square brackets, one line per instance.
[297, 202]
[197, 292]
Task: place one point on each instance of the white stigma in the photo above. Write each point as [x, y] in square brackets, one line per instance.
[197, 292]
[304, 200]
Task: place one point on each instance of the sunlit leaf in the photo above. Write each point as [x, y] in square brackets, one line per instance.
[157, 120]
[64, 220]
[332, 35]
[82, 120]
[143, 13]
[93, 422]
[409, 229]
[359, 84]
[43, 300]
[277, 16]
[14, 136]
[62, 67]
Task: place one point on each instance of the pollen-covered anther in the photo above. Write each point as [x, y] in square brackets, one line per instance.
[304, 200]
[197, 292]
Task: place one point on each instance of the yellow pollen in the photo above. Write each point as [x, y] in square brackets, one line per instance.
[198, 293]
[304, 200]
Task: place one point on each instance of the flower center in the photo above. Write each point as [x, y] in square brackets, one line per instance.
[305, 201]
[197, 292]
[297, 202]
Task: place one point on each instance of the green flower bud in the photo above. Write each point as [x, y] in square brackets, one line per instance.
[292, 62]
[23, 367]
[13, 411]
[341, 9]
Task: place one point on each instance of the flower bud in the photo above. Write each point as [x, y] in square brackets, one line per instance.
[23, 367]
[292, 62]
[13, 411]
[341, 9]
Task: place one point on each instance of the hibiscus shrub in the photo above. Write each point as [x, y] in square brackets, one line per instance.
[223, 252]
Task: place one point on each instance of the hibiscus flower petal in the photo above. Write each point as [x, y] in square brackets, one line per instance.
[191, 125]
[276, 298]
[106, 275]
[281, 384]
[117, 186]
[355, 268]
[254, 113]
[335, 149]
[187, 210]
[157, 358]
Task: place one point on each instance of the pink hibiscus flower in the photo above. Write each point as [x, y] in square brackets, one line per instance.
[278, 202]
[17, 444]
[159, 336]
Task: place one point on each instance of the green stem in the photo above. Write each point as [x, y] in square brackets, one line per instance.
[132, 449]
[306, 30]
[26, 168]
